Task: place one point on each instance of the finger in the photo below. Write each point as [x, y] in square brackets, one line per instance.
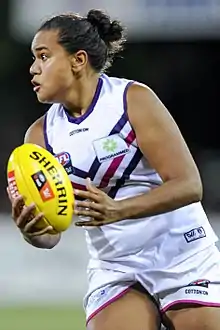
[89, 213]
[25, 216]
[89, 205]
[92, 223]
[90, 187]
[41, 232]
[9, 194]
[17, 207]
[29, 225]
[87, 195]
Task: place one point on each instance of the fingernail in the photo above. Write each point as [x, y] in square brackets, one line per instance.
[76, 192]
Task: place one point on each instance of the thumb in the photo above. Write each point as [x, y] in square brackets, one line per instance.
[90, 187]
[9, 194]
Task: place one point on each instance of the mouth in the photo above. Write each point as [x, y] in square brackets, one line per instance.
[36, 85]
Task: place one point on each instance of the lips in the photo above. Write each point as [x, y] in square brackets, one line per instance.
[36, 85]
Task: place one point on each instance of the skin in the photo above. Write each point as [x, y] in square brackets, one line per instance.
[172, 160]
[70, 80]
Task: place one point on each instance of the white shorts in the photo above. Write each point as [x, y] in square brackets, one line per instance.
[193, 280]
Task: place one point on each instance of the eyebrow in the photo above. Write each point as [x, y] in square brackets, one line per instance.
[37, 49]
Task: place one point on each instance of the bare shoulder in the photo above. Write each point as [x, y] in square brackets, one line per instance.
[158, 136]
[147, 112]
[35, 133]
[145, 102]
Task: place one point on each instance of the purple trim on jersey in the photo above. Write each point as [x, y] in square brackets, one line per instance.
[116, 129]
[120, 124]
[125, 95]
[116, 162]
[94, 169]
[79, 120]
[47, 145]
[80, 173]
[127, 172]
[96, 164]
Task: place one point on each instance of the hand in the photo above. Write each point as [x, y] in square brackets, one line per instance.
[97, 205]
[25, 219]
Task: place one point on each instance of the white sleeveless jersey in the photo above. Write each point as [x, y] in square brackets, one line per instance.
[101, 145]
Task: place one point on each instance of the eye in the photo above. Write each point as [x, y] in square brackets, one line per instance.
[43, 57]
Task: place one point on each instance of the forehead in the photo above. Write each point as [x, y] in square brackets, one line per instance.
[45, 39]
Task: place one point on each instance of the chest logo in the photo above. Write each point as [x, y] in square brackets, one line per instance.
[64, 159]
[110, 147]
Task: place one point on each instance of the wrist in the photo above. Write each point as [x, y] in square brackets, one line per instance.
[131, 208]
[122, 209]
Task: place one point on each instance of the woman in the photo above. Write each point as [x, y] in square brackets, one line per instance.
[138, 190]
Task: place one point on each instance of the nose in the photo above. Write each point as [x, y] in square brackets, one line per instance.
[35, 69]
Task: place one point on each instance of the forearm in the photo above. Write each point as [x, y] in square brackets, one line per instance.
[45, 241]
[169, 196]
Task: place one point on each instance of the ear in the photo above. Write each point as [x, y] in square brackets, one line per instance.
[79, 60]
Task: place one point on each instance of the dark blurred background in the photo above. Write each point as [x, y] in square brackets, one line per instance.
[174, 47]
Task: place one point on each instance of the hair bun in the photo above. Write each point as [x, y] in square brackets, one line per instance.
[108, 30]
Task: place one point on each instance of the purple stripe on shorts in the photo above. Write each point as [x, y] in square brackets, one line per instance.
[121, 294]
[189, 301]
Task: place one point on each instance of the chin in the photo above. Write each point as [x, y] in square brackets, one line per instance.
[44, 99]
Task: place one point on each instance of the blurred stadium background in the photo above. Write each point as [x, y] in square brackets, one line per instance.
[174, 47]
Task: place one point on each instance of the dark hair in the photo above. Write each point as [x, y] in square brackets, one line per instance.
[96, 34]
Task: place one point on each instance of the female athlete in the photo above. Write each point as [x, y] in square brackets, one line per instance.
[152, 250]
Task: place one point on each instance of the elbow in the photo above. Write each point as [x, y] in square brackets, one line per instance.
[195, 190]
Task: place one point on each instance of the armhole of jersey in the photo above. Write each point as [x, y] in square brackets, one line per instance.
[125, 105]
[47, 145]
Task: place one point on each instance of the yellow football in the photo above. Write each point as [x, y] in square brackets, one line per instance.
[38, 176]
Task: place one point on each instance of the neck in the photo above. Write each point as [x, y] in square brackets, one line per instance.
[81, 96]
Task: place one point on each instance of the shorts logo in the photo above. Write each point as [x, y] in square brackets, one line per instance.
[110, 147]
[203, 283]
[64, 159]
[195, 234]
[43, 186]
[196, 292]
[96, 296]
[199, 283]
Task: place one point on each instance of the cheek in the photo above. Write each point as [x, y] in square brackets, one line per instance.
[59, 73]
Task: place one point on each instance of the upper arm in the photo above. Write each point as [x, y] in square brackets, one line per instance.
[35, 133]
[158, 136]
